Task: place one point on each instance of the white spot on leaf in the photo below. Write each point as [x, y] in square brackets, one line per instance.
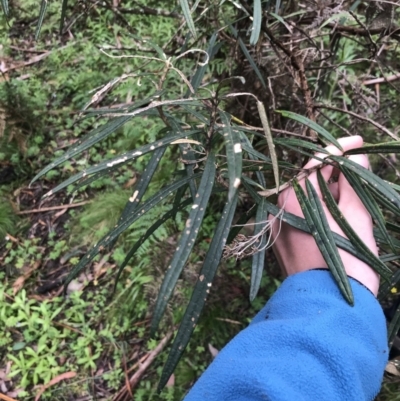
[133, 197]
[117, 161]
[237, 148]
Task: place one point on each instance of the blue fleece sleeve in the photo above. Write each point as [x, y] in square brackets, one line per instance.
[307, 343]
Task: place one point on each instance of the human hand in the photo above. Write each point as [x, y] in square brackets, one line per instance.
[297, 251]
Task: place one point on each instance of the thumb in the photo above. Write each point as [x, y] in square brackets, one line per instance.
[346, 143]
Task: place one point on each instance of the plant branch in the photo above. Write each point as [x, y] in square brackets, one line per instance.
[352, 30]
[382, 80]
[303, 174]
[151, 356]
[143, 10]
[366, 119]
[50, 208]
[6, 398]
[298, 65]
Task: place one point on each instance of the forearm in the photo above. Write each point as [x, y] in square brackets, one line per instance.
[306, 343]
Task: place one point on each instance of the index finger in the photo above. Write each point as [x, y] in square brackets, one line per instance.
[347, 143]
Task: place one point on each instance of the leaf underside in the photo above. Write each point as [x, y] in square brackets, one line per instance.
[333, 208]
[316, 220]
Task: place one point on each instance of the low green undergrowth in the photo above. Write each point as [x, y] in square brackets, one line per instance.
[89, 337]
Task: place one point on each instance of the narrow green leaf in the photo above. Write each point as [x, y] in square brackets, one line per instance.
[122, 226]
[257, 19]
[251, 61]
[330, 202]
[253, 155]
[257, 168]
[393, 227]
[126, 110]
[279, 18]
[63, 14]
[390, 257]
[386, 287]
[89, 180]
[202, 118]
[143, 182]
[243, 128]
[383, 201]
[253, 183]
[195, 5]
[369, 202]
[42, 12]
[301, 224]
[243, 219]
[393, 185]
[355, 5]
[92, 138]
[311, 155]
[170, 214]
[234, 157]
[252, 192]
[386, 147]
[188, 157]
[229, 82]
[258, 261]
[188, 17]
[319, 227]
[186, 242]
[141, 187]
[311, 124]
[293, 143]
[248, 56]
[270, 142]
[6, 10]
[277, 6]
[372, 179]
[201, 290]
[394, 326]
[119, 160]
[177, 200]
[339, 18]
[321, 223]
[146, 42]
[201, 70]
[383, 240]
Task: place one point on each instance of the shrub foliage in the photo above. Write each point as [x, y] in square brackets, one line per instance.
[241, 94]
